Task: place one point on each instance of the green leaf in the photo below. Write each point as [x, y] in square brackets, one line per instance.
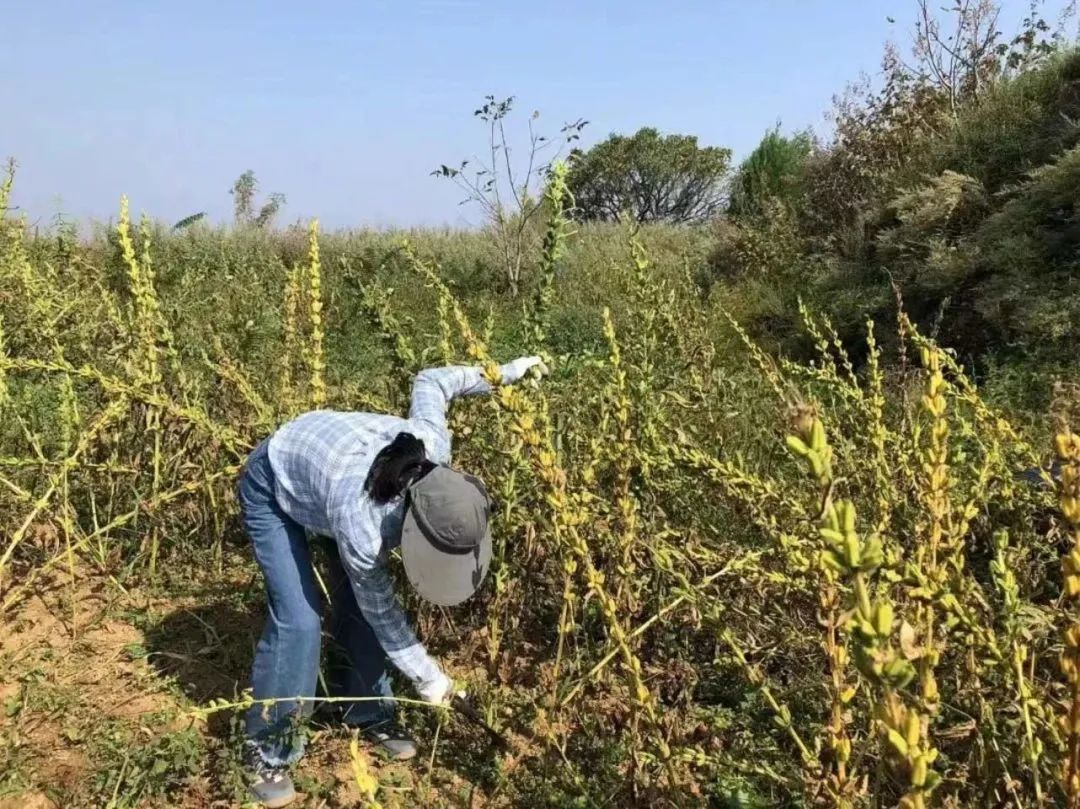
[12, 705]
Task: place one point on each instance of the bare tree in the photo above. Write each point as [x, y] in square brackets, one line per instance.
[959, 48]
[955, 47]
[509, 192]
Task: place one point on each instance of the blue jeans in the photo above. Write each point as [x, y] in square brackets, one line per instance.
[287, 656]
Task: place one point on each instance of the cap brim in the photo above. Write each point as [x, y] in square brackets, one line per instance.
[442, 578]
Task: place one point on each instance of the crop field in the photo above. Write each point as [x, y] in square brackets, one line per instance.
[722, 576]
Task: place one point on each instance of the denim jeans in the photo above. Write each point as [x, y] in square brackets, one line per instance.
[288, 654]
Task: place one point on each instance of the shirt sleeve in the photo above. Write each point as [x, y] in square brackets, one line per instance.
[432, 392]
[360, 548]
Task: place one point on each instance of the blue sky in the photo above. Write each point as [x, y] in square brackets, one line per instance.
[346, 107]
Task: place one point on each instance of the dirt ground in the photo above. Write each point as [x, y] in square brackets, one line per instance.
[98, 681]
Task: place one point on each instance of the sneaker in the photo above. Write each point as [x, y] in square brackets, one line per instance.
[268, 786]
[391, 740]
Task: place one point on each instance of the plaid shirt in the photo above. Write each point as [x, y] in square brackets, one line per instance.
[320, 462]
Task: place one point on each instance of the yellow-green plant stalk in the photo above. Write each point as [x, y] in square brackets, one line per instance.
[1067, 445]
[556, 196]
[146, 317]
[5, 394]
[394, 334]
[228, 437]
[568, 509]
[906, 727]
[104, 420]
[655, 326]
[811, 444]
[763, 361]
[938, 567]
[233, 373]
[287, 403]
[446, 331]
[365, 781]
[935, 495]
[888, 669]
[841, 352]
[827, 368]
[39, 284]
[314, 347]
[622, 454]
[70, 427]
[144, 313]
[162, 331]
[1019, 652]
[989, 422]
[781, 712]
[879, 433]
[853, 559]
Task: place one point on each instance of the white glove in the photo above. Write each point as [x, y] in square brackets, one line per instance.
[437, 691]
[513, 371]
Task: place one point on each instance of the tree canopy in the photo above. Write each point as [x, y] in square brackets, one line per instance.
[771, 171]
[649, 177]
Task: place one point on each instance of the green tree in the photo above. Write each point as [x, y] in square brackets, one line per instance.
[771, 172]
[243, 193]
[649, 177]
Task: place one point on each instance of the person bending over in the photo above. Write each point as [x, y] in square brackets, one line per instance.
[369, 483]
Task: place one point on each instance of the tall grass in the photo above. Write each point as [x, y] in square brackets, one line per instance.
[719, 577]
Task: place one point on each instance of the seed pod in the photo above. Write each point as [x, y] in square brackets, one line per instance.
[899, 672]
[831, 560]
[832, 536]
[912, 729]
[849, 516]
[918, 772]
[883, 618]
[872, 555]
[897, 742]
[797, 445]
[852, 549]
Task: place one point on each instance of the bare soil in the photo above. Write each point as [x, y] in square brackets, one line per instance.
[93, 673]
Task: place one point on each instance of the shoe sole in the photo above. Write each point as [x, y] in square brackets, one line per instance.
[274, 803]
[386, 755]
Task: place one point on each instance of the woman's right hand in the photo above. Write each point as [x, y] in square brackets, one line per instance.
[437, 691]
[515, 370]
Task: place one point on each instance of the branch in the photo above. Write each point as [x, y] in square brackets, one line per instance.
[509, 169]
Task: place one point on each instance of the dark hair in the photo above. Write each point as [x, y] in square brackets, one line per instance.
[398, 464]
